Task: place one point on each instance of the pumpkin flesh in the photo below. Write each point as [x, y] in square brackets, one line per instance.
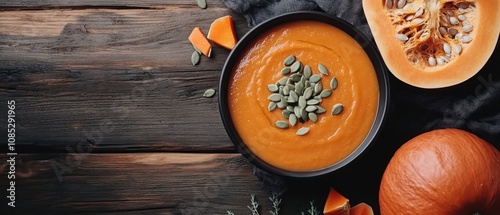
[442, 172]
[336, 204]
[434, 43]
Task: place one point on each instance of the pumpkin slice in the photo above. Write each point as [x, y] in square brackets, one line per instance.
[200, 42]
[222, 32]
[361, 209]
[336, 204]
[434, 43]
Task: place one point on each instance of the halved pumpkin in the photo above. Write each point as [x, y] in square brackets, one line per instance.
[361, 209]
[434, 43]
[336, 204]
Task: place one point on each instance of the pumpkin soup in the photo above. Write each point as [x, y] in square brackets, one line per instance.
[342, 68]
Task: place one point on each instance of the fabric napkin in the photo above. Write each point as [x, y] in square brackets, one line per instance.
[473, 106]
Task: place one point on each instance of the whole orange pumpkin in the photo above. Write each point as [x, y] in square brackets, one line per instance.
[442, 172]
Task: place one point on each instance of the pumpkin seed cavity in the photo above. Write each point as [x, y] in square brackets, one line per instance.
[299, 94]
[432, 36]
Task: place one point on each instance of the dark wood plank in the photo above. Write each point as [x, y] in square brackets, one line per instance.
[142, 183]
[147, 4]
[70, 72]
[169, 183]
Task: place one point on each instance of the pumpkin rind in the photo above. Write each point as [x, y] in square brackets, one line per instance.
[470, 61]
[442, 172]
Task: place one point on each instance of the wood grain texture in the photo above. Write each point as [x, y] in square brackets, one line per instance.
[138, 183]
[172, 183]
[115, 79]
[119, 4]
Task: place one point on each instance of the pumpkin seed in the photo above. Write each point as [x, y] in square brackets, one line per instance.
[308, 92]
[303, 114]
[440, 61]
[202, 4]
[322, 69]
[299, 88]
[454, 20]
[286, 90]
[401, 3]
[417, 21]
[280, 105]
[442, 30]
[432, 61]
[462, 17]
[272, 88]
[271, 106]
[453, 32]
[408, 7]
[286, 70]
[466, 39]
[307, 71]
[402, 37]
[447, 48]
[467, 28]
[457, 49]
[296, 66]
[275, 97]
[281, 124]
[312, 102]
[282, 81]
[286, 113]
[280, 90]
[317, 88]
[419, 12]
[295, 77]
[325, 93]
[296, 111]
[314, 78]
[289, 60]
[302, 131]
[333, 83]
[289, 108]
[463, 5]
[319, 109]
[302, 101]
[389, 4]
[307, 84]
[291, 100]
[337, 108]
[313, 117]
[195, 58]
[209, 93]
[292, 119]
[294, 96]
[311, 108]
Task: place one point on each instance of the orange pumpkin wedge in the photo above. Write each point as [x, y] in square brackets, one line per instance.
[361, 209]
[200, 42]
[222, 32]
[336, 204]
[434, 43]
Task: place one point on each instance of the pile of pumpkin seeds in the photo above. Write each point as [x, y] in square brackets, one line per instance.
[299, 94]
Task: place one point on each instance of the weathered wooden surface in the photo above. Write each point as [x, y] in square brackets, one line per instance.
[71, 71]
[149, 183]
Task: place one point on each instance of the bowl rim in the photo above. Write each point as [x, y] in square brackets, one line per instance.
[234, 56]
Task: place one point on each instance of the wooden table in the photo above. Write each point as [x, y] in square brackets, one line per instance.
[110, 116]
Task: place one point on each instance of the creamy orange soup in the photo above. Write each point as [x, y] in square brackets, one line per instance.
[332, 137]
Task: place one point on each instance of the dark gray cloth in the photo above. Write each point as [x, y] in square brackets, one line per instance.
[256, 11]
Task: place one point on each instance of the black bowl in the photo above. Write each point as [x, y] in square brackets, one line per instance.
[254, 33]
